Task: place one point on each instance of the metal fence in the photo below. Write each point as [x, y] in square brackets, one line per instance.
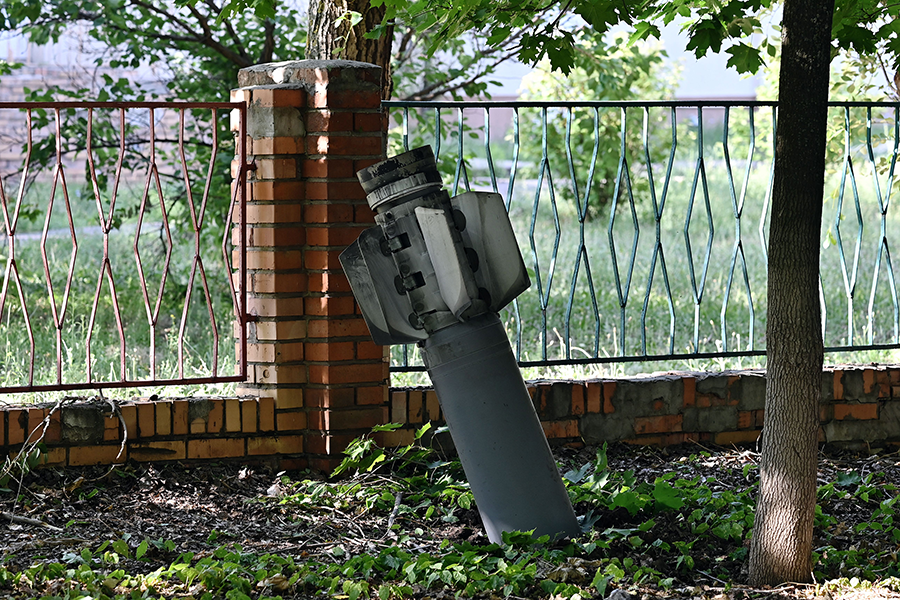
[116, 236]
[644, 224]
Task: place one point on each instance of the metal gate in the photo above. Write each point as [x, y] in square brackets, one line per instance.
[123, 244]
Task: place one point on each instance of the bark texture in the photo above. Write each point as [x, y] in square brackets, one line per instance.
[781, 548]
[331, 36]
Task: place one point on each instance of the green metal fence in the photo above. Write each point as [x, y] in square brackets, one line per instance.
[644, 224]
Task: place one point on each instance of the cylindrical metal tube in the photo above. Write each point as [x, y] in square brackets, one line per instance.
[496, 430]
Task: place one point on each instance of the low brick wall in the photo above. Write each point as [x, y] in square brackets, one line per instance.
[860, 408]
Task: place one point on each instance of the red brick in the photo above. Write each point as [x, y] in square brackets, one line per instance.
[290, 421]
[129, 417]
[279, 191]
[328, 213]
[164, 417]
[868, 381]
[335, 237]
[283, 212]
[347, 373]
[335, 190]
[320, 168]
[432, 405]
[346, 99]
[319, 260]
[276, 168]
[578, 392]
[272, 260]
[266, 408]
[336, 328]
[272, 374]
[414, 407]
[272, 236]
[689, 392]
[275, 352]
[216, 419]
[215, 448]
[660, 424]
[838, 385]
[332, 306]
[328, 121]
[855, 411]
[111, 429]
[277, 283]
[36, 418]
[363, 418]
[157, 451]
[328, 282]
[232, 415]
[283, 330]
[333, 351]
[398, 407]
[289, 400]
[55, 457]
[2, 427]
[278, 96]
[594, 397]
[371, 395]
[268, 446]
[341, 397]
[727, 438]
[398, 438]
[248, 415]
[277, 145]
[369, 350]
[609, 389]
[146, 419]
[180, 425]
[363, 214]
[745, 419]
[198, 425]
[368, 121]
[561, 429]
[95, 455]
[18, 424]
[758, 418]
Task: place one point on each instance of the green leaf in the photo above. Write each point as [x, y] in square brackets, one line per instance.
[667, 496]
[141, 549]
[745, 58]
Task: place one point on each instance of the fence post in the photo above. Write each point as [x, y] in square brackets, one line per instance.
[311, 126]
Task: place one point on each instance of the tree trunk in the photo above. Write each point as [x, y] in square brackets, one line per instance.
[781, 548]
[331, 35]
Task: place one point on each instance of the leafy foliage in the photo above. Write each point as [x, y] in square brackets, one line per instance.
[592, 140]
[551, 30]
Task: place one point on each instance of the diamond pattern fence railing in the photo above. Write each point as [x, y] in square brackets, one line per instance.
[644, 224]
[121, 264]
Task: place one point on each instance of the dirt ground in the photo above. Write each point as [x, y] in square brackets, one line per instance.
[56, 511]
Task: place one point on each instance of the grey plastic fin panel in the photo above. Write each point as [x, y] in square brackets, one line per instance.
[371, 276]
[501, 270]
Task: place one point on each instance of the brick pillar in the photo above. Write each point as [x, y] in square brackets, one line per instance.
[311, 126]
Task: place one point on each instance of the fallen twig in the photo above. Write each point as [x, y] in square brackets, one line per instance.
[27, 521]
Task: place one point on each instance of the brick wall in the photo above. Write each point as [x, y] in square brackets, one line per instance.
[860, 409]
[311, 126]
